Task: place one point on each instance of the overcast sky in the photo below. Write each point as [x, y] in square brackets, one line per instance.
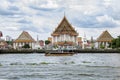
[41, 17]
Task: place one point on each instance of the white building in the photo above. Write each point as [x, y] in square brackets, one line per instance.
[104, 40]
[23, 39]
[64, 34]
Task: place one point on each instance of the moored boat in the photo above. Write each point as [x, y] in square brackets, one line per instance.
[59, 53]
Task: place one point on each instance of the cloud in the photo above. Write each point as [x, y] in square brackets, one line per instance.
[13, 8]
[43, 16]
[23, 21]
[47, 5]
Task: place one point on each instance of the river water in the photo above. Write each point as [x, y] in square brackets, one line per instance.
[77, 67]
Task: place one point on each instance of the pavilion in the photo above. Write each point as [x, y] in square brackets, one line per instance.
[24, 38]
[104, 39]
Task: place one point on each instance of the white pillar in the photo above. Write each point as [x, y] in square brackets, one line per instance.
[53, 39]
[107, 44]
[60, 37]
[14, 45]
[31, 44]
[98, 45]
[63, 37]
[56, 38]
[73, 38]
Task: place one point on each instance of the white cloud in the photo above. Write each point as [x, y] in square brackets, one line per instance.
[4, 4]
[104, 18]
[49, 4]
[43, 16]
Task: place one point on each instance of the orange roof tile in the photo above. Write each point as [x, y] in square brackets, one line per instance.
[64, 28]
[105, 37]
[24, 37]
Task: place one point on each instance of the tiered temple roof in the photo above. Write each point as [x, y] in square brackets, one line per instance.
[64, 28]
[105, 37]
[24, 37]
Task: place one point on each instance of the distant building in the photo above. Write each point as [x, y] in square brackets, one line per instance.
[3, 44]
[37, 44]
[41, 43]
[8, 38]
[104, 39]
[85, 43]
[64, 34]
[1, 34]
[50, 39]
[79, 40]
[24, 38]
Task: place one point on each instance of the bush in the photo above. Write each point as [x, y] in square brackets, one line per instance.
[102, 47]
[26, 46]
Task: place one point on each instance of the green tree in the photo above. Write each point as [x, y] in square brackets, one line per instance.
[47, 42]
[26, 46]
[9, 42]
[102, 46]
[116, 42]
[119, 41]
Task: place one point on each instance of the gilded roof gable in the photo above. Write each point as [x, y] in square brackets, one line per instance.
[64, 28]
[24, 37]
[105, 37]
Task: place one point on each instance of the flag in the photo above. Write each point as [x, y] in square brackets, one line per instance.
[1, 34]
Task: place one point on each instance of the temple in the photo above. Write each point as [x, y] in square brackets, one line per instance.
[64, 34]
[23, 39]
[104, 39]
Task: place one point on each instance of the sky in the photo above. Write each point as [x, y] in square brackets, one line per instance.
[41, 17]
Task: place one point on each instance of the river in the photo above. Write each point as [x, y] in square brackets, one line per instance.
[77, 67]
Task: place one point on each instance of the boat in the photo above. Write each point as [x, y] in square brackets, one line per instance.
[59, 53]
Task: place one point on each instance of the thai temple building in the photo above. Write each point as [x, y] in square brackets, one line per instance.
[104, 39]
[3, 43]
[64, 34]
[23, 39]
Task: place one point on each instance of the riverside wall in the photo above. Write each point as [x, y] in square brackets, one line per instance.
[27, 51]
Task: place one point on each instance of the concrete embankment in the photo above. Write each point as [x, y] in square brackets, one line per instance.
[43, 51]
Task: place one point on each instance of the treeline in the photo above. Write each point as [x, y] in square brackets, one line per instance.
[116, 43]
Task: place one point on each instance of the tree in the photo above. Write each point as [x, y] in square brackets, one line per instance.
[26, 46]
[116, 42]
[102, 46]
[119, 41]
[47, 42]
[9, 42]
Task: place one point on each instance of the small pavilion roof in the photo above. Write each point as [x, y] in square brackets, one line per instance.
[105, 37]
[24, 37]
